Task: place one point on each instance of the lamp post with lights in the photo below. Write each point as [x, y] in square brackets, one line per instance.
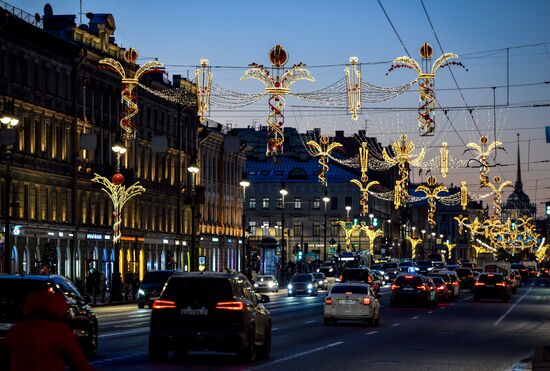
[193, 169]
[283, 191]
[245, 253]
[8, 119]
[326, 199]
[348, 209]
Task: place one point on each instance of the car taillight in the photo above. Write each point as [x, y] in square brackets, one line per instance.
[455, 283]
[328, 301]
[501, 284]
[164, 304]
[421, 287]
[395, 287]
[369, 280]
[470, 275]
[230, 305]
[340, 278]
[441, 288]
[366, 301]
[479, 284]
[409, 277]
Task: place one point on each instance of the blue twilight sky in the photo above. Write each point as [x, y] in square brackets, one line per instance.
[319, 33]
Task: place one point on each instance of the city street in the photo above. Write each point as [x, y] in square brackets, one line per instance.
[461, 335]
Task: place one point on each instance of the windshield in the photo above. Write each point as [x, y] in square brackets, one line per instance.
[416, 280]
[406, 264]
[490, 278]
[265, 278]
[198, 291]
[387, 266]
[301, 278]
[424, 263]
[319, 276]
[342, 289]
[156, 278]
[438, 280]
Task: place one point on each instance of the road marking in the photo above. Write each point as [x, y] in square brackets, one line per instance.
[442, 308]
[275, 329]
[497, 322]
[119, 358]
[371, 333]
[395, 324]
[452, 304]
[415, 317]
[122, 333]
[293, 356]
[468, 298]
[430, 312]
[310, 321]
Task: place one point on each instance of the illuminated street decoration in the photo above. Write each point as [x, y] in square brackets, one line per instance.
[432, 192]
[444, 159]
[415, 241]
[450, 248]
[463, 195]
[348, 228]
[119, 195]
[364, 185]
[540, 254]
[353, 82]
[483, 152]
[426, 76]
[404, 156]
[203, 81]
[372, 234]
[129, 82]
[323, 150]
[497, 188]
[277, 84]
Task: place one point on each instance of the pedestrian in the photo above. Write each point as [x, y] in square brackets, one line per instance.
[102, 286]
[42, 340]
[45, 271]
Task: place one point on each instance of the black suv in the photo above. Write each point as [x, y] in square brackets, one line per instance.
[362, 275]
[151, 287]
[492, 285]
[80, 317]
[413, 288]
[209, 311]
[466, 278]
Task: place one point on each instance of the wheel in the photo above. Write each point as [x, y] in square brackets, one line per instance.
[265, 348]
[141, 305]
[157, 350]
[248, 353]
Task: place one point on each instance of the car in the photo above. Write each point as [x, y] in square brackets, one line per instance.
[439, 265]
[476, 275]
[465, 277]
[493, 286]
[303, 283]
[266, 283]
[199, 311]
[351, 301]
[441, 288]
[543, 272]
[14, 290]
[467, 264]
[378, 275]
[512, 281]
[408, 267]
[327, 269]
[424, 266]
[412, 288]
[389, 266]
[360, 275]
[390, 274]
[451, 267]
[452, 286]
[322, 282]
[522, 270]
[151, 287]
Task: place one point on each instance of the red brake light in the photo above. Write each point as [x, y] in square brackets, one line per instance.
[366, 301]
[501, 284]
[479, 284]
[340, 278]
[441, 288]
[409, 277]
[328, 301]
[490, 275]
[230, 305]
[164, 304]
[421, 287]
[369, 280]
[349, 293]
[470, 275]
[395, 287]
[455, 283]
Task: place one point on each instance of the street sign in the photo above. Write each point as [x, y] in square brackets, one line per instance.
[332, 250]
[202, 263]
[548, 134]
[548, 208]
[332, 241]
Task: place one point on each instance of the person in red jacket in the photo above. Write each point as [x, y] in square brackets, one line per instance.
[43, 340]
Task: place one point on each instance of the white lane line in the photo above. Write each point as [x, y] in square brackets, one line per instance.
[371, 333]
[430, 312]
[442, 308]
[123, 333]
[468, 298]
[275, 329]
[498, 321]
[452, 304]
[310, 321]
[395, 324]
[297, 355]
[415, 317]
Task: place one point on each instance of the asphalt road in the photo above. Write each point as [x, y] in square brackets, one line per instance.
[489, 335]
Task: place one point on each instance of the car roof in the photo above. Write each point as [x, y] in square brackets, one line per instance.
[208, 274]
[32, 277]
[351, 284]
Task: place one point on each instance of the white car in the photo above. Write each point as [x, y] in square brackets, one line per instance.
[351, 301]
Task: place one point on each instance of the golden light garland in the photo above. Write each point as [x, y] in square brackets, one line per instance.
[415, 241]
[119, 195]
[444, 159]
[323, 150]
[372, 234]
[483, 153]
[130, 80]
[497, 189]
[463, 195]
[348, 228]
[426, 76]
[277, 85]
[364, 185]
[203, 80]
[353, 84]
[404, 155]
[450, 248]
[432, 192]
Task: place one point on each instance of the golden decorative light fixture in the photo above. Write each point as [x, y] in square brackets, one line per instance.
[444, 159]
[463, 195]
[323, 150]
[277, 84]
[497, 190]
[450, 247]
[348, 228]
[426, 76]
[372, 234]
[364, 185]
[130, 80]
[415, 241]
[483, 153]
[432, 192]
[203, 80]
[353, 84]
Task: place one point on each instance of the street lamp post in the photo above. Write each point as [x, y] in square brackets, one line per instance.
[193, 170]
[283, 191]
[433, 243]
[348, 209]
[326, 199]
[423, 239]
[245, 254]
[9, 119]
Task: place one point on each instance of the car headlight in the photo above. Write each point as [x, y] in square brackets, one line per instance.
[430, 269]
[141, 292]
[290, 286]
[255, 285]
[331, 269]
[320, 282]
[309, 286]
[270, 284]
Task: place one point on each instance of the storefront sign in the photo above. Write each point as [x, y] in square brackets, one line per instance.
[93, 236]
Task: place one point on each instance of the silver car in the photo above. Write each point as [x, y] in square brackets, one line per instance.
[266, 283]
[351, 301]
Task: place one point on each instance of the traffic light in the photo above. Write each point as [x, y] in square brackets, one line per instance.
[548, 208]
[375, 222]
[300, 255]
[355, 221]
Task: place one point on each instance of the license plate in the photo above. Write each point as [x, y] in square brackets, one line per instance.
[346, 301]
[195, 312]
[490, 285]
[407, 289]
[5, 326]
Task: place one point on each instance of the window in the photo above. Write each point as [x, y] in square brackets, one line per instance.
[252, 226]
[316, 229]
[334, 229]
[278, 229]
[316, 203]
[334, 203]
[298, 228]
[252, 203]
[279, 203]
[297, 203]
[265, 228]
[265, 203]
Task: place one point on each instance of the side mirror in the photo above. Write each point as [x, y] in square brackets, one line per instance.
[263, 298]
